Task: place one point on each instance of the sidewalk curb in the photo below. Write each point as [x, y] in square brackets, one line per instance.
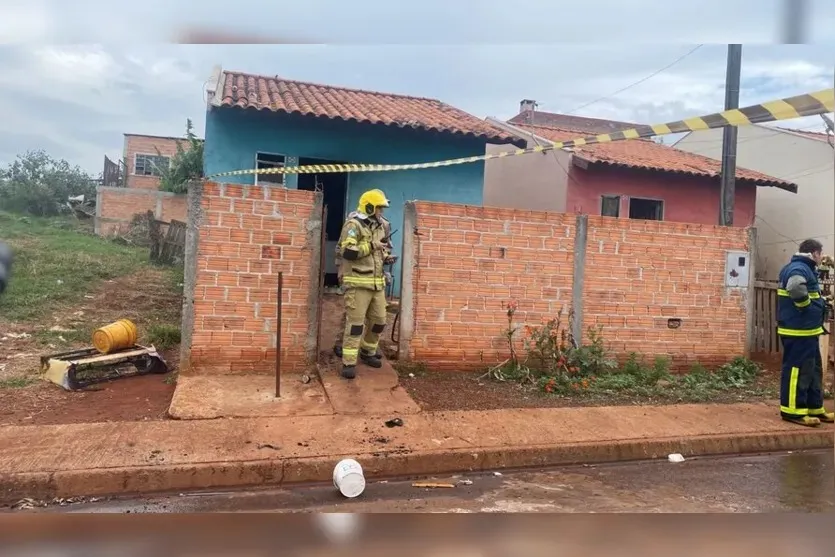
[277, 472]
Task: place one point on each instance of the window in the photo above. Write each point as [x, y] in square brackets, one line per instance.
[150, 165]
[646, 209]
[610, 206]
[269, 160]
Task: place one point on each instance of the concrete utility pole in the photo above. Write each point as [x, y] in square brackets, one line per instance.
[727, 191]
[794, 21]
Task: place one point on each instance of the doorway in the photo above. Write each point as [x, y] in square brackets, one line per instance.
[334, 188]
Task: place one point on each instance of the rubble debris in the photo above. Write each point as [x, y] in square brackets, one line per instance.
[433, 485]
[675, 457]
[394, 422]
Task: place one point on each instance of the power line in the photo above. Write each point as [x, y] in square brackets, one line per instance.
[650, 76]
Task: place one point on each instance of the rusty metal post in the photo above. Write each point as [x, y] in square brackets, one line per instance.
[278, 335]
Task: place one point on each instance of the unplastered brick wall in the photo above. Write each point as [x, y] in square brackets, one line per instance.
[636, 279]
[464, 264]
[239, 239]
[116, 207]
[658, 288]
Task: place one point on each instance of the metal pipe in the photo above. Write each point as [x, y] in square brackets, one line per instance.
[794, 21]
[728, 184]
[278, 335]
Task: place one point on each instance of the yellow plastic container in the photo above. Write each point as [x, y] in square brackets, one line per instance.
[116, 336]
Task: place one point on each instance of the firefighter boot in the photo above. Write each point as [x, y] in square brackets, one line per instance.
[349, 372]
[826, 417]
[804, 420]
[371, 360]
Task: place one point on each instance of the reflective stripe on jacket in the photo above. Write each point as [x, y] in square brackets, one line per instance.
[801, 316]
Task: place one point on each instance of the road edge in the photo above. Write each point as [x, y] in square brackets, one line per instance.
[144, 480]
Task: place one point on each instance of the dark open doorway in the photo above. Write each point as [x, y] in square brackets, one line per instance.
[334, 188]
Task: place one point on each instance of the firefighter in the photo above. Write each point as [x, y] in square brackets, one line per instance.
[389, 259]
[363, 250]
[800, 319]
[5, 266]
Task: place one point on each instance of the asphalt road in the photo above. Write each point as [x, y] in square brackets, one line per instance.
[786, 482]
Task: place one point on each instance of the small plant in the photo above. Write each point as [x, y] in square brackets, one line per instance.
[164, 336]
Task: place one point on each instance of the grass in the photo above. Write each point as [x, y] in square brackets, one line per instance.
[164, 335]
[638, 380]
[58, 262]
[17, 382]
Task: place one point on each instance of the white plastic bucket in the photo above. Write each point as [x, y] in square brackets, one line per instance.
[348, 478]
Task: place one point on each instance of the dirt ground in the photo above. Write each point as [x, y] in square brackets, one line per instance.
[470, 391]
[145, 298]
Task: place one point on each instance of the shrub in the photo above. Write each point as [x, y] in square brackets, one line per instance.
[39, 185]
[186, 164]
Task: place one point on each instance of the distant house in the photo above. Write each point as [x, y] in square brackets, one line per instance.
[783, 219]
[142, 162]
[257, 121]
[638, 178]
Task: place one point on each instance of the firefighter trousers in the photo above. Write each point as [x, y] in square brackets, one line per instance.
[362, 306]
[801, 382]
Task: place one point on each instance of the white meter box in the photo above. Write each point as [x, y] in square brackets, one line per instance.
[737, 269]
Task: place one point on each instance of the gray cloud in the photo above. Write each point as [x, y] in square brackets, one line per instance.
[76, 101]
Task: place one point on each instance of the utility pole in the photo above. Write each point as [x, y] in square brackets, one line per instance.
[794, 20]
[727, 190]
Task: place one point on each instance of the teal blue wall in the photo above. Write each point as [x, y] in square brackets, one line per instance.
[233, 136]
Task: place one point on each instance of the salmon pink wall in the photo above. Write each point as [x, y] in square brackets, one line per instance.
[686, 198]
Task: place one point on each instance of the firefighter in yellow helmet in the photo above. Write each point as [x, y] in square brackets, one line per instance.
[364, 248]
[390, 259]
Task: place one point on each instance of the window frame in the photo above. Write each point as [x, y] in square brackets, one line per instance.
[657, 200]
[610, 196]
[149, 155]
[283, 164]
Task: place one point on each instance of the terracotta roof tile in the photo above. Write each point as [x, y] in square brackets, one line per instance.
[582, 124]
[648, 155]
[353, 105]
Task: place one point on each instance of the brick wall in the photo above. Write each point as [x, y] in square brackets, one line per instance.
[464, 263]
[146, 145]
[116, 207]
[240, 237]
[640, 274]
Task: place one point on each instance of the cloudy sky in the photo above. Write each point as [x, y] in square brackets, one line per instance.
[75, 76]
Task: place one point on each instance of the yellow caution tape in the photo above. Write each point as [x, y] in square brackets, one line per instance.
[808, 104]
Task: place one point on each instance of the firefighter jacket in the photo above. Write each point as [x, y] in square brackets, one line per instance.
[338, 254]
[800, 308]
[362, 265]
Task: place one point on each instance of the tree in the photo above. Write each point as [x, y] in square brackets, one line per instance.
[186, 164]
[37, 184]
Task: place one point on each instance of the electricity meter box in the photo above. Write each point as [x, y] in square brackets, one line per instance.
[737, 269]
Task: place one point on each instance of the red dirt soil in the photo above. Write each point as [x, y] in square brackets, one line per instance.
[144, 298]
[129, 399]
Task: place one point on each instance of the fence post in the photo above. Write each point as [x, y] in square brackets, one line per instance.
[751, 293]
[580, 241]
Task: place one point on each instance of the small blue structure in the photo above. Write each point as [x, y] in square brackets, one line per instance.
[260, 122]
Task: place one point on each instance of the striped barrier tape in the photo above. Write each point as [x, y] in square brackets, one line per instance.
[809, 104]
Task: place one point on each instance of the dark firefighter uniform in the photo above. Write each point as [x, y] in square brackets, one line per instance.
[800, 318]
[363, 249]
[337, 348]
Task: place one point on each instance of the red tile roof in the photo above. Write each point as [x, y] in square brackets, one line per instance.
[648, 155]
[352, 105]
[587, 126]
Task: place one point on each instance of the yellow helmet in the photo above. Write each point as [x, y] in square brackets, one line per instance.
[370, 200]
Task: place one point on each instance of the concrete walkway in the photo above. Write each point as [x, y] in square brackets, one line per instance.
[143, 457]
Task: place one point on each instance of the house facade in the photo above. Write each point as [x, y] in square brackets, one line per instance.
[783, 219]
[132, 185]
[261, 122]
[638, 178]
